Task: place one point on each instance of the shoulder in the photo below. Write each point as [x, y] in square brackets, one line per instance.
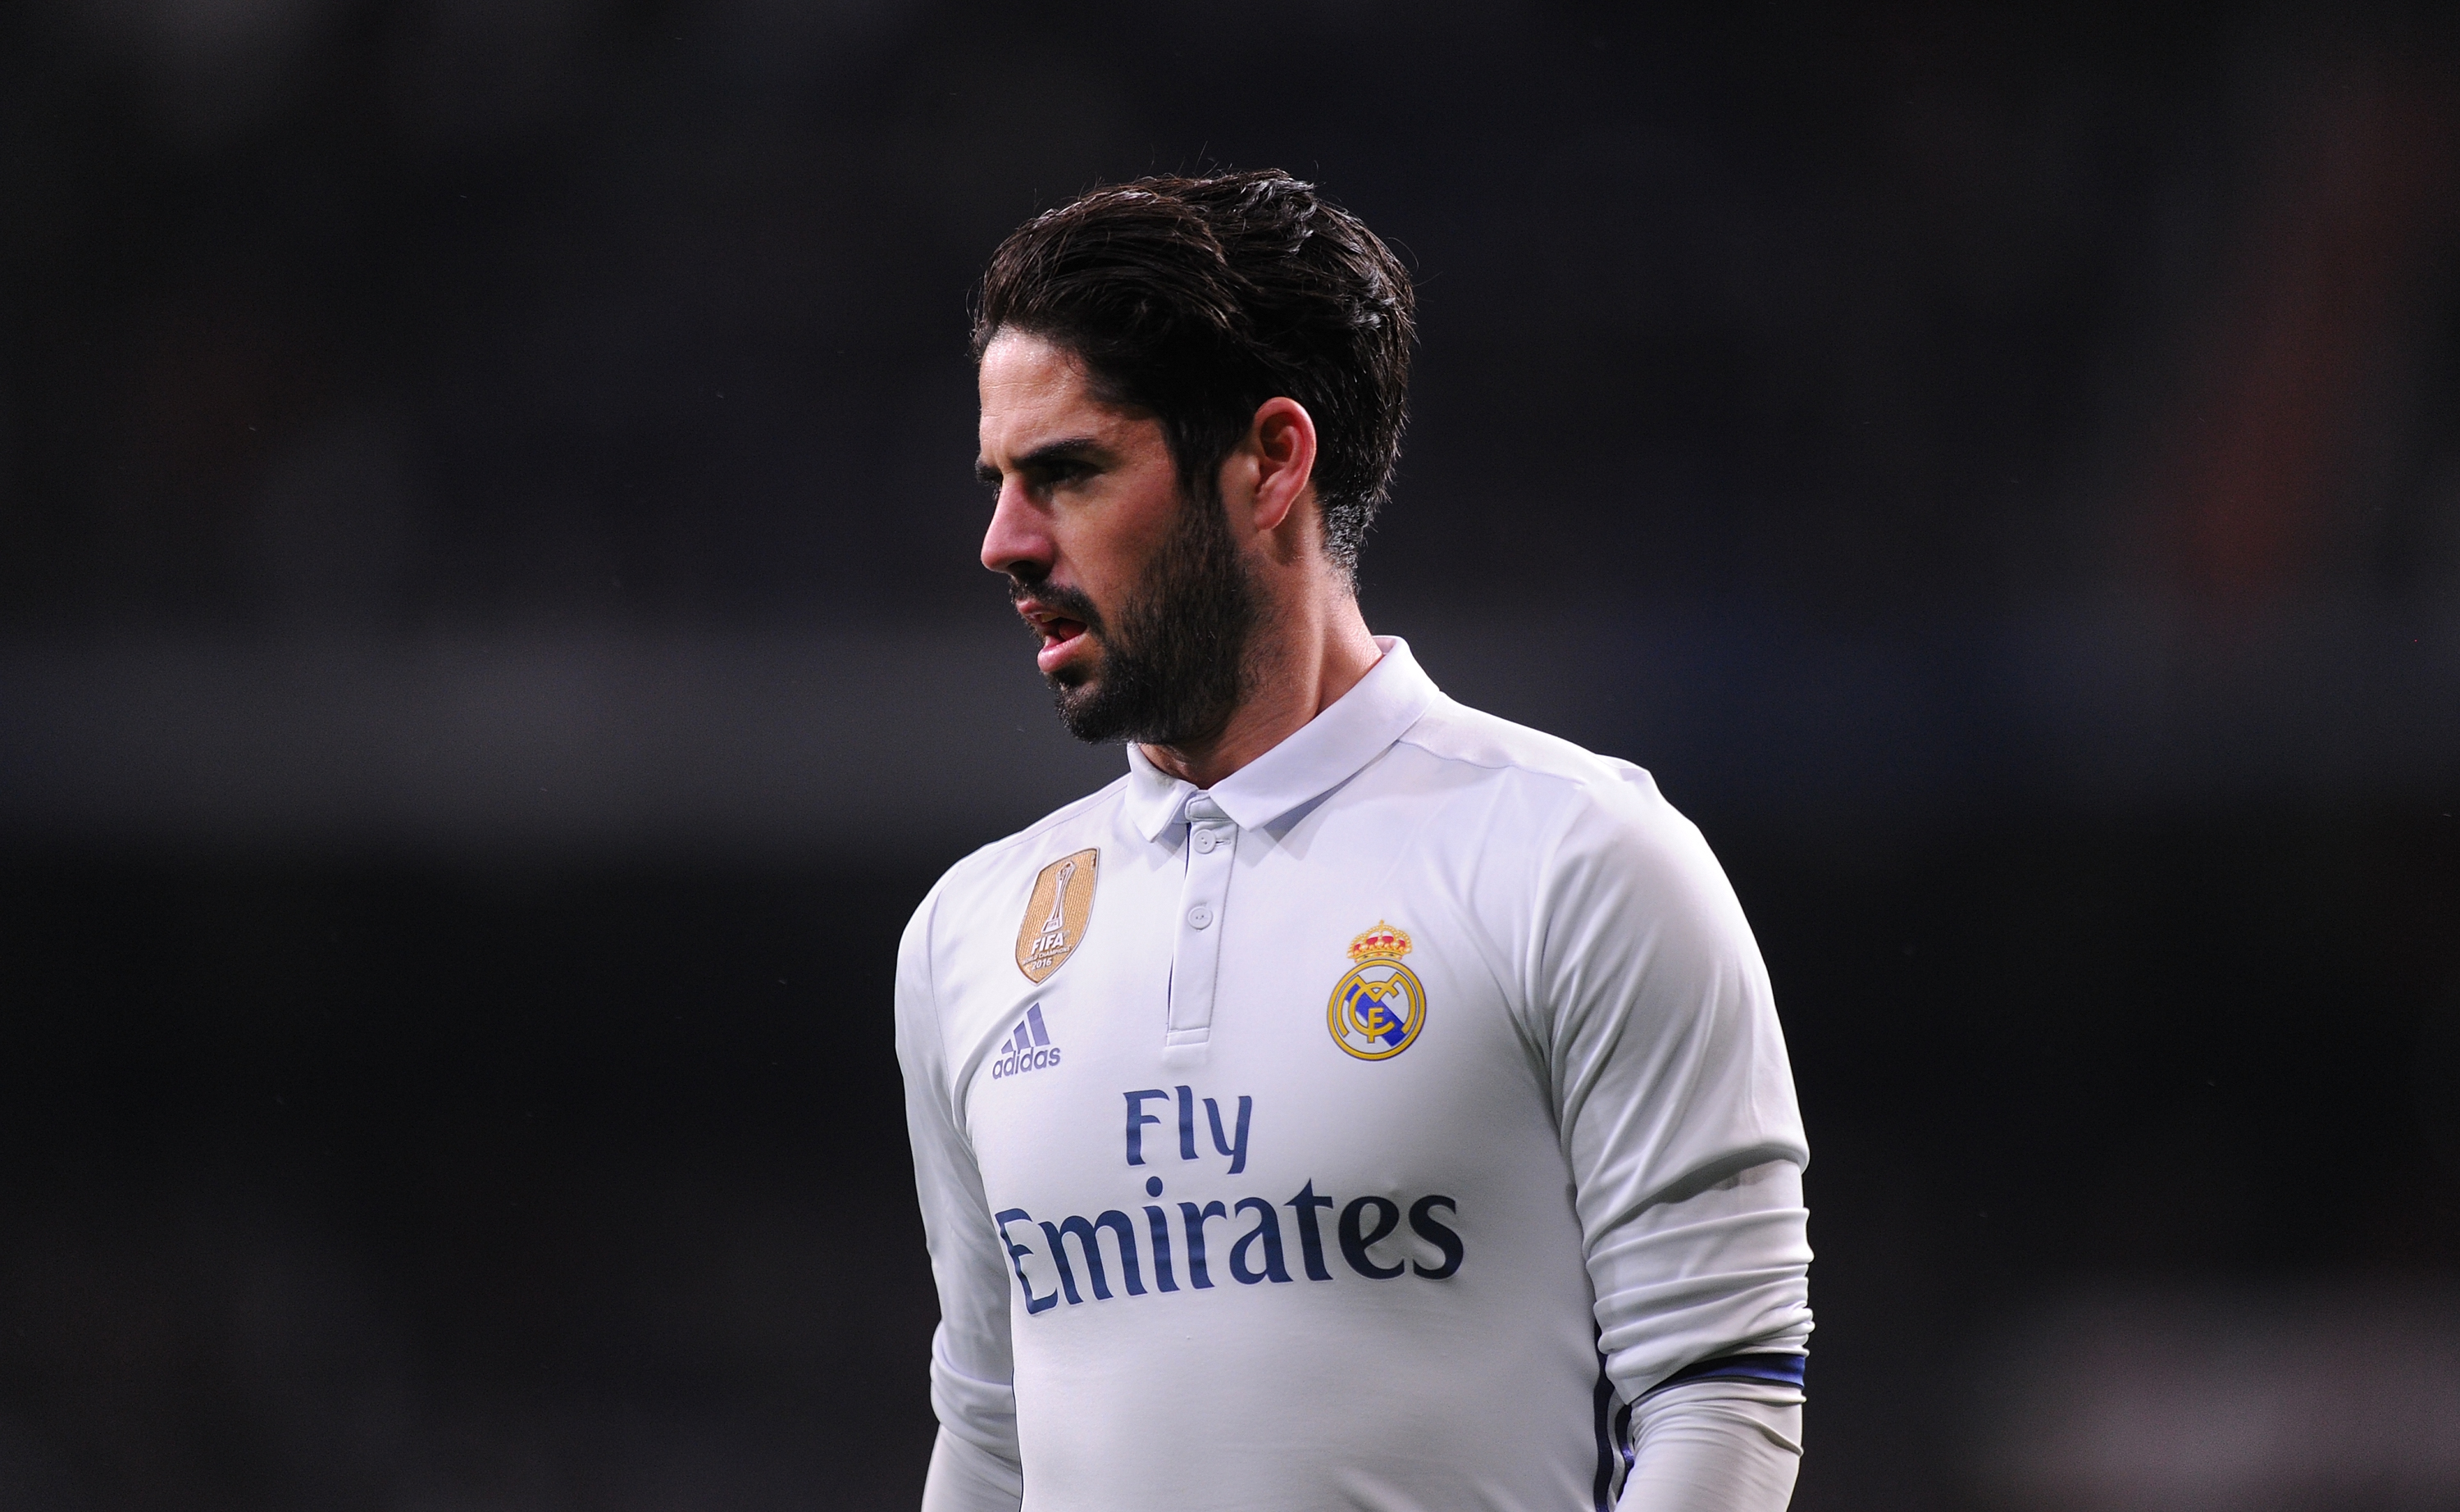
[992, 873]
[1573, 813]
[1626, 905]
[1544, 770]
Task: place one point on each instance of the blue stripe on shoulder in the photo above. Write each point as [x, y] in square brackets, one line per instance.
[1782, 1369]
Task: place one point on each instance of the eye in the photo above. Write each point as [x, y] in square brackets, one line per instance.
[1049, 477]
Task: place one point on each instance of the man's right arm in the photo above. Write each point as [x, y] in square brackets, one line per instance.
[975, 1466]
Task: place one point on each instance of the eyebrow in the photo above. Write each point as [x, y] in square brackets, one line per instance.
[1047, 457]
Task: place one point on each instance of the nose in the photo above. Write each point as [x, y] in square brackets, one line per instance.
[1018, 541]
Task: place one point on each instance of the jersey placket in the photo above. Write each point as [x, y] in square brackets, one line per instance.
[1195, 954]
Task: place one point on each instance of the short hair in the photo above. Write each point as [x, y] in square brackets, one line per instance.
[1196, 300]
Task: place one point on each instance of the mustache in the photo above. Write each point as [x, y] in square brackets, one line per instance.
[1073, 602]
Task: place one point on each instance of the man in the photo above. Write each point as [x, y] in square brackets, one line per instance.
[1363, 1103]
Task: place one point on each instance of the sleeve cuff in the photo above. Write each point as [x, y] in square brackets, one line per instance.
[1777, 1369]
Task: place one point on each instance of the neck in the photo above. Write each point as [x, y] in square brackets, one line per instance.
[1306, 655]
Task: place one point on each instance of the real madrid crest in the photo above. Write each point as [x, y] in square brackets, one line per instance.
[1378, 1008]
[1056, 915]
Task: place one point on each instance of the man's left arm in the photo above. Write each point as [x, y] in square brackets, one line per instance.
[1687, 1150]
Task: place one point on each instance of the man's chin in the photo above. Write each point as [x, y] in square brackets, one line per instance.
[1074, 681]
[1085, 712]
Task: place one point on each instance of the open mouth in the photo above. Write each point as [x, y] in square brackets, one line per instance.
[1059, 638]
[1061, 634]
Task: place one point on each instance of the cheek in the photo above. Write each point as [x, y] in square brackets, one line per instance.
[1114, 547]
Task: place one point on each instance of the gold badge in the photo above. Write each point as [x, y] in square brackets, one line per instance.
[1378, 1008]
[1056, 915]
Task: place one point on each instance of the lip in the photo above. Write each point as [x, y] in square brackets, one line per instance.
[1061, 636]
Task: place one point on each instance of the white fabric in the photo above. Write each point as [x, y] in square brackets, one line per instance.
[1707, 1446]
[967, 1478]
[1714, 1446]
[1591, 1143]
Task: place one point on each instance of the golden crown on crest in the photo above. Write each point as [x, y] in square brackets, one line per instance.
[1385, 942]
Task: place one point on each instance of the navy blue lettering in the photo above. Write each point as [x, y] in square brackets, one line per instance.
[1118, 1223]
[1422, 1222]
[1138, 1118]
[1239, 1153]
[1311, 1238]
[1353, 1243]
[1268, 1228]
[1160, 1227]
[1016, 1254]
[1186, 1123]
[1191, 1219]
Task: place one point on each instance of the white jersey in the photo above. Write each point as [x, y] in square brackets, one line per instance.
[1368, 1131]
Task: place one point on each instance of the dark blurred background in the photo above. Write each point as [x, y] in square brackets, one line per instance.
[491, 651]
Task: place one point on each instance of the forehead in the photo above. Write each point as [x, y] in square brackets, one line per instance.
[1034, 392]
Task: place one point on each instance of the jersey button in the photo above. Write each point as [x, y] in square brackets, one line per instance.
[1200, 916]
[1206, 841]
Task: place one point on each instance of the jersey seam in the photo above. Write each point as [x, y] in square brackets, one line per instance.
[1544, 872]
[1412, 736]
[1575, 788]
[1057, 817]
[1409, 737]
[938, 1023]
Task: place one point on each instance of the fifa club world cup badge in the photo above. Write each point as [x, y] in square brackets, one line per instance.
[1378, 1008]
[1056, 915]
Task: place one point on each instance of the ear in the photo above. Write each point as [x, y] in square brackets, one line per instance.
[1280, 454]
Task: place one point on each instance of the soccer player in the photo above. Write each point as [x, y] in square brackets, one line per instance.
[1363, 1101]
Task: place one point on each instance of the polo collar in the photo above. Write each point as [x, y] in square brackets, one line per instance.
[1320, 755]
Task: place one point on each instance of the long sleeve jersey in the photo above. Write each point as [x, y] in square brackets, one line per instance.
[1369, 1130]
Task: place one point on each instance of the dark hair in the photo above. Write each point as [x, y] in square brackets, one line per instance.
[1197, 300]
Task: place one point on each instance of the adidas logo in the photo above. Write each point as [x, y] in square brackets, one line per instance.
[1028, 1049]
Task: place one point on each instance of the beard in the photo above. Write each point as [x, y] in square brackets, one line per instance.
[1172, 668]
